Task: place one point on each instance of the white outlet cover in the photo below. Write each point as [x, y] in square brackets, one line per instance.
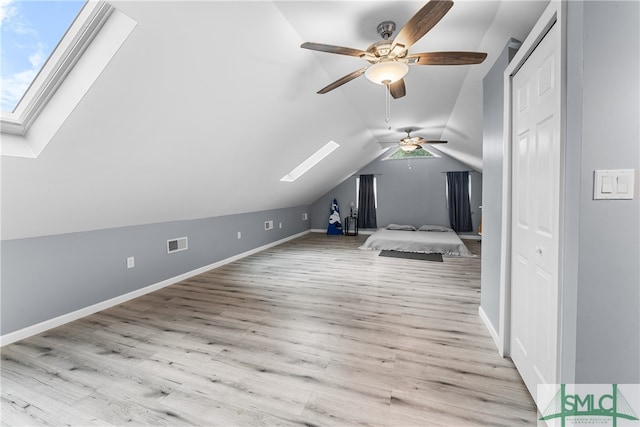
[131, 262]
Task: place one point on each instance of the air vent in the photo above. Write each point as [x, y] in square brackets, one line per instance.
[177, 245]
[268, 225]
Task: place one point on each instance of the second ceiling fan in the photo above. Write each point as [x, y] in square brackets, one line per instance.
[389, 59]
[410, 143]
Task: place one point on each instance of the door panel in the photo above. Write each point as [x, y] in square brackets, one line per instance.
[535, 213]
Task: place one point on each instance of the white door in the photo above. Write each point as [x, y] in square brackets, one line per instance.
[535, 214]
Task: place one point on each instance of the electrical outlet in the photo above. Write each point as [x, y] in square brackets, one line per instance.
[239, 235]
[268, 225]
[279, 225]
[131, 262]
[305, 216]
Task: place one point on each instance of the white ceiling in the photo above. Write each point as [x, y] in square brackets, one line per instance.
[208, 104]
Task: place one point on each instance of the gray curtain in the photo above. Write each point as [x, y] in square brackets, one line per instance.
[458, 201]
[367, 203]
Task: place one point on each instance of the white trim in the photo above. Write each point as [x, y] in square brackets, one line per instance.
[553, 14]
[94, 308]
[489, 325]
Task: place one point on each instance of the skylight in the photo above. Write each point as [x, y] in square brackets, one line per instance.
[31, 30]
[313, 160]
[41, 42]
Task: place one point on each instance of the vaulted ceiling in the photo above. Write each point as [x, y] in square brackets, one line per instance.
[209, 103]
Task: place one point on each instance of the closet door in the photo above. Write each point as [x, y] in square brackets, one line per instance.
[535, 199]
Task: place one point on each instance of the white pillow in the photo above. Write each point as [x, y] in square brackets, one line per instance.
[401, 227]
[434, 228]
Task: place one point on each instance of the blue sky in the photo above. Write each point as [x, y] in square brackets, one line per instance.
[29, 32]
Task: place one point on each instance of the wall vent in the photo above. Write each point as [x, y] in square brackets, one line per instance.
[268, 225]
[177, 245]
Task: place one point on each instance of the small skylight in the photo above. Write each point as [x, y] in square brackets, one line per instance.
[420, 153]
[313, 160]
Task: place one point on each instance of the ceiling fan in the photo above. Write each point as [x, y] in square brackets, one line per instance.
[389, 59]
[410, 143]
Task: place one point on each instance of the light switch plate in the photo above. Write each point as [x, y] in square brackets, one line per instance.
[613, 184]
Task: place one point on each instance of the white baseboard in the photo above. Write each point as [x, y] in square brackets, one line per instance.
[320, 230]
[489, 326]
[94, 308]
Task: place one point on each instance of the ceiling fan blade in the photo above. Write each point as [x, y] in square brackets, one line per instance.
[333, 49]
[398, 89]
[342, 80]
[433, 142]
[446, 58]
[420, 23]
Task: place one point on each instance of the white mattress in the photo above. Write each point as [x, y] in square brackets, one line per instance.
[440, 242]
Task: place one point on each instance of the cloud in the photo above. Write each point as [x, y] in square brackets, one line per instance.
[14, 86]
[37, 58]
[7, 10]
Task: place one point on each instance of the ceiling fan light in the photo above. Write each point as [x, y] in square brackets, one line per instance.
[386, 72]
[408, 147]
[415, 140]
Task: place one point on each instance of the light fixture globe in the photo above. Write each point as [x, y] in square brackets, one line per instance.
[409, 147]
[386, 72]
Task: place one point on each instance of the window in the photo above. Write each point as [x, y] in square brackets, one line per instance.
[375, 191]
[446, 188]
[419, 153]
[41, 41]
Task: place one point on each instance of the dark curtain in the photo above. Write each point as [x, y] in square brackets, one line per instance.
[458, 201]
[367, 203]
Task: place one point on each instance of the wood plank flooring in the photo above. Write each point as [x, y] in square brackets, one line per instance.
[312, 332]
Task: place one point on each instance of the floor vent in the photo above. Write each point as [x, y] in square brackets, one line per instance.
[177, 245]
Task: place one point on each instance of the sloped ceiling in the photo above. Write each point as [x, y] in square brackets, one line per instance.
[208, 104]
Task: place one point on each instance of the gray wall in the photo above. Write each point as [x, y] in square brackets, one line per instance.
[492, 157]
[604, 247]
[407, 193]
[601, 253]
[45, 277]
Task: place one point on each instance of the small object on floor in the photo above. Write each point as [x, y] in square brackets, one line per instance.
[412, 255]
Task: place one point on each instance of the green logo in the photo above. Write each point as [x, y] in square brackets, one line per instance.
[592, 405]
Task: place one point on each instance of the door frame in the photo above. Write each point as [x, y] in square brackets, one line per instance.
[554, 14]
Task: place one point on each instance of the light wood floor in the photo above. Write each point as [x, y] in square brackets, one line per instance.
[312, 332]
